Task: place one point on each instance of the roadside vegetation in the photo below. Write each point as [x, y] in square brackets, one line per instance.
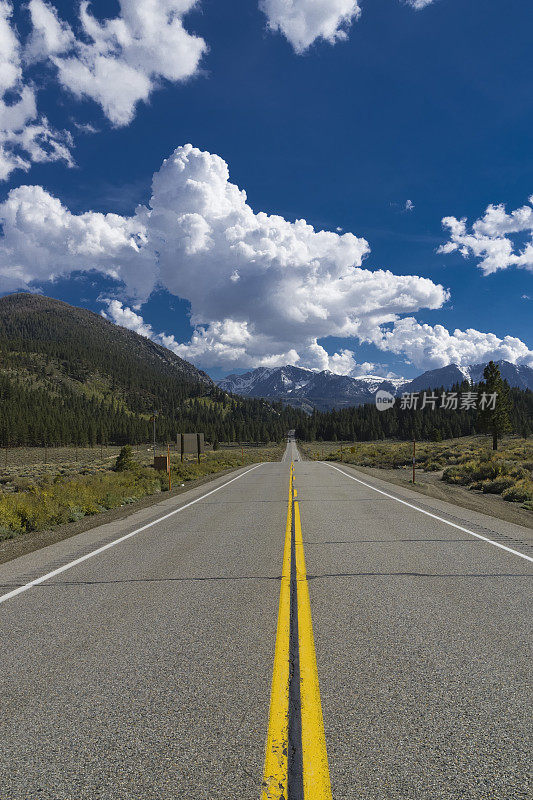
[468, 462]
[33, 503]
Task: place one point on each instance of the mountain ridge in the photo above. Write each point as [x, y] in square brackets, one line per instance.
[44, 324]
[69, 376]
[325, 390]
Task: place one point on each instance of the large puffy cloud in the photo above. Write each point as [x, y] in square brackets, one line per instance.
[432, 346]
[26, 136]
[120, 61]
[492, 238]
[302, 22]
[262, 289]
[225, 343]
[282, 283]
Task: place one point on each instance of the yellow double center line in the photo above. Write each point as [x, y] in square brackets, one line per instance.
[278, 781]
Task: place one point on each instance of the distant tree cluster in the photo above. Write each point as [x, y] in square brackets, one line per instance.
[67, 376]
[514, 413]
[35, 416]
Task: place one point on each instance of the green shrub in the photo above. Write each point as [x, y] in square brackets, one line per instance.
[487, 469]
[521, 492]
[125, 459]
[22, 484]
[519, 472]
[498, 485]
[433, 466]
[469, 471]
[9, 518]
[6, 533]
[459, 474]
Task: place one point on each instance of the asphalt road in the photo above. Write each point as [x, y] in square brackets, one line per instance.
[145, 670]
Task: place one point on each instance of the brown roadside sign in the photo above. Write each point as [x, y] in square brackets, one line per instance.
[191, 443]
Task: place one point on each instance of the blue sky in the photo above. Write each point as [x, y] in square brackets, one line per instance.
[431, 106]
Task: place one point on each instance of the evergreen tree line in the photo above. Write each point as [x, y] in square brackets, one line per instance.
[366, 423]
[35, 417]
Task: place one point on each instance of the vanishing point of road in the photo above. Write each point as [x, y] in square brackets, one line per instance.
[294, 630]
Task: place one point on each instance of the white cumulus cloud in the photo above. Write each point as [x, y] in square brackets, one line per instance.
[225, 343]
[295, 284]
[127, 318]
[433, 346]
[262, 289]
[302, 22]
[493, 238]
[120, 61]
[26, 136]
[43, 240]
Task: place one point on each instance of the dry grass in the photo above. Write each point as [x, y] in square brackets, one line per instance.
[36, 496]
[468, 461]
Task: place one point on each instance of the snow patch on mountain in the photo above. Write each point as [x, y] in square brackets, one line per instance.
[326, 390]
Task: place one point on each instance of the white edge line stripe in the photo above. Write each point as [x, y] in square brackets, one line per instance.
[435, 516]
[59, 570]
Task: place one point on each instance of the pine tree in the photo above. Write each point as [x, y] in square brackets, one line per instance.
[495, 420]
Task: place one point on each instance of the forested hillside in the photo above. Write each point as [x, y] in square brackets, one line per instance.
[68, 376]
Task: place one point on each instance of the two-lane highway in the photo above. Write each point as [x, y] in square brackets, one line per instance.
[137, 659]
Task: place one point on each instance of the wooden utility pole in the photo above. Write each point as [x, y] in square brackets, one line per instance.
[414, 454]
[153, 418]
[169, 476]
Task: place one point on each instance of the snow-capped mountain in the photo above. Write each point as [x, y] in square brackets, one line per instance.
[307, 389]
[517, 375]
[325, 390]
[444, 377]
